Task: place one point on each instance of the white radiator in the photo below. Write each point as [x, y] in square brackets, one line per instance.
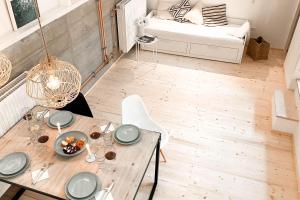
[13, 101]
[128, 11]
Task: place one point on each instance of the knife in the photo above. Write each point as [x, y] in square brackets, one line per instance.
[107, 127]
[108, 190]
[41, 173]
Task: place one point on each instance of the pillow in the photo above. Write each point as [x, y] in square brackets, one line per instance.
[164, 14]
[215, 15]
[242, 31]
[166, 4]
[195, 15]
[179, 10]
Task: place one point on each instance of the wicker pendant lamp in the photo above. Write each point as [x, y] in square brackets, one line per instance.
[5, 69]
[52, 83]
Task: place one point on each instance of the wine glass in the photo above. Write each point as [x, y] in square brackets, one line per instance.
[110, 158]
[28, 115]
[42, 137]
[95, 136]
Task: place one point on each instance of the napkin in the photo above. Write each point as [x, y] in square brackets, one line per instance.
[101, 194]
[111, 128]
[44, 176]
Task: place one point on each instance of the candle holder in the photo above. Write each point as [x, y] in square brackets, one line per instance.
[90, 158]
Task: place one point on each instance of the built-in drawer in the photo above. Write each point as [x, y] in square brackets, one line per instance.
[172, 46]
[211, 51]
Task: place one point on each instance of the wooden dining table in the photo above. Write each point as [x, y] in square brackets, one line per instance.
[126, 172]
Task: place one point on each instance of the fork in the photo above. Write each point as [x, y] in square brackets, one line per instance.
[41, 172]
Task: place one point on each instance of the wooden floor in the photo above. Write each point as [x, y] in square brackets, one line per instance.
[219, 118]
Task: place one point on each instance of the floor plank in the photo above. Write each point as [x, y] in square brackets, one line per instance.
[219, 117]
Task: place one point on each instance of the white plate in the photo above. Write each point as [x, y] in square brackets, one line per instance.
[82, 185]
[61, 117]
[19, 173]
[127, 143]
[64, 126]
[99, 187]
[127, 133]
[13, 163]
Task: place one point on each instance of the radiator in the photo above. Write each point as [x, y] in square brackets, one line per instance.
[13, 101]
[128, 12]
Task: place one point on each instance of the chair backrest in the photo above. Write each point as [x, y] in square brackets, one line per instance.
[135, 112]
[13, 101]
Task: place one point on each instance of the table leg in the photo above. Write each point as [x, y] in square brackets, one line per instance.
[18, 194]
[156, 169]
[138, 52]
[156, 50]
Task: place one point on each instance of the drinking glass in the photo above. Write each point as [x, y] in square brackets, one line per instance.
[41, 141]
[36, 128]
[107, 138]
[28, 115]
[110, 158]
[100, 158]
[95, 138]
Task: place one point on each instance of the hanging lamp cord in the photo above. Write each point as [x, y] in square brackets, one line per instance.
[41, 29]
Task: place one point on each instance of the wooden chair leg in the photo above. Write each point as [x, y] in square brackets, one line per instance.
[164, 158]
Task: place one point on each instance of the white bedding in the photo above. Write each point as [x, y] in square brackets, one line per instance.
[169, 29]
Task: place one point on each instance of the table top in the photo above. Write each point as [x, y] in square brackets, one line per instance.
[128, 168]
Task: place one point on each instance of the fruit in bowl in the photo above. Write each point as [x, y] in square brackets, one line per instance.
[71, 144]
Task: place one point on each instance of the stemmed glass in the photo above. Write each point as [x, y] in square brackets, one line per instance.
[29, 117]
[110, 150]
[41, 141]
[95, 136]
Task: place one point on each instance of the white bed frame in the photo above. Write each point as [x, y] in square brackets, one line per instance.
[201, 50]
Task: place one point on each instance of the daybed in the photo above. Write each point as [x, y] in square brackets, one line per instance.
[187, 39]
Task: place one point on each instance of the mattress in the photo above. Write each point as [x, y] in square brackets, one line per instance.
[192, 33]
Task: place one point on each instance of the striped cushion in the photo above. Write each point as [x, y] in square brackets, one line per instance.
[179, 10]
[215, 15]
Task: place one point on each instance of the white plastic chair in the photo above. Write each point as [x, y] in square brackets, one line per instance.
[135, 112]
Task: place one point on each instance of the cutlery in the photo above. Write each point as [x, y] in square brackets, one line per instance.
[43, 114]
[34, 181]
[108, 190]
[107, 127]
[41, 173]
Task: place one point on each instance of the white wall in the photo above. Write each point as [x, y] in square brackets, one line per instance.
[271, 19]
[5, 23]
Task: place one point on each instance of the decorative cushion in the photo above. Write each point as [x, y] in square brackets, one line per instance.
[195, 15]
[164, 14]
[166, 4]
[179, 10]
[215, 15]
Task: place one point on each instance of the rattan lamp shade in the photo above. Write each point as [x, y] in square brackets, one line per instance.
[53, 83]
[5, 69]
